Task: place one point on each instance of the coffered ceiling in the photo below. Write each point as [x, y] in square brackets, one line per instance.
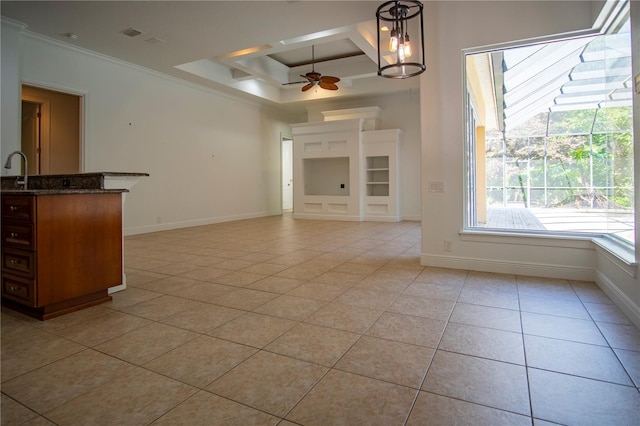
[250, 48]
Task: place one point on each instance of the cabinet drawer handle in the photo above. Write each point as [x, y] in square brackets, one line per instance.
[15, 261]
[13, 208]
[14, 288]
[13, 234]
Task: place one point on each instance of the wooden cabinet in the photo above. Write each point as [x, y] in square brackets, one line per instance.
[60, 252]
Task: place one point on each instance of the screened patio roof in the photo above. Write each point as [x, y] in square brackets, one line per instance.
[576, 74]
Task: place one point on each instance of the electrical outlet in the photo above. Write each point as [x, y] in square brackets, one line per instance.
[436, 186]
[447, 246]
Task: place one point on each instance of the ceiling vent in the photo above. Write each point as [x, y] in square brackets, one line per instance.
[131, 32]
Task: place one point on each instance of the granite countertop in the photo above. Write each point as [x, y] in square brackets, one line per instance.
[92, 182]
[60, 191]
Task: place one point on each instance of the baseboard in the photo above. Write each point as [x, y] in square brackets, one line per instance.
[509, 267]
[190, 223]
[626, 305]
[327, 217]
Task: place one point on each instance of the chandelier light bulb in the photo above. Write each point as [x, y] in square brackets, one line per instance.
[393, 41]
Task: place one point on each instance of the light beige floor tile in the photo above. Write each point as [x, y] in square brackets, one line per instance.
[134, 399]
[205, 292]
[478, 295]
[138, 277]
[442, 276]
[169, 285]
[200, 361]
[434, 290]
[345, 317]
[203, 318]
[371, 299]
[437, 410]
[483, 342]
[408, 329]
[13, 413]
[486, 316]
[578, 359]
[341, 279]
[482, 381]
[205, 408]
[356, 268]
[385, 283]
[604, 312]
[631, 362]
[553, 306]
[161, 307]
[265, 268]
[389, 361]
[276, 284]
[102, 328]
[564, 328]
[128, 297]
[245, 299]
[303, 271]
[332, 402]
[422, 307]
[492, 281]
[315, 344]
[53, 384]
[568, 399]
[235, 264]
[238, 278]
[76, 317]
[205, 273]
[589, 292]
[318, 291]
[621, 336]
[22, 357]
[290, 307]
[253, 329]
[268, 382]
[146, 343]
[546, 287]
[173, 268]
[17, 331]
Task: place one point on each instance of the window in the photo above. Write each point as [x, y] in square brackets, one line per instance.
[549, 137]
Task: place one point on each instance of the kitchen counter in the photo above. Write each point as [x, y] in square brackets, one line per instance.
[73, 181]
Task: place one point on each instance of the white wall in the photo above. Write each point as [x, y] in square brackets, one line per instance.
[451, 27]
[399, 111]
[211, 157]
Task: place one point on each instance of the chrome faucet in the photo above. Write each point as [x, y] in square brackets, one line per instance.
[7, 165]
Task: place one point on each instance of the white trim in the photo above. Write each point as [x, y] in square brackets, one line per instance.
[621, 300]
[327, 216]
[523, 238]
[135, 230]
[509, 267]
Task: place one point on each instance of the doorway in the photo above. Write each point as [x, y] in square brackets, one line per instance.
[51, 131]
[287, 173]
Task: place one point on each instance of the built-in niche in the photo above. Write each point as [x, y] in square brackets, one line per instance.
[326, 176]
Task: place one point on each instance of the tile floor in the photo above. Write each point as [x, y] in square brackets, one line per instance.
[278, 321]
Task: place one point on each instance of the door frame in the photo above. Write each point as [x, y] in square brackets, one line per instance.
[83, 100]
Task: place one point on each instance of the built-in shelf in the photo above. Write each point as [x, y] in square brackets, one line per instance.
[377, 180]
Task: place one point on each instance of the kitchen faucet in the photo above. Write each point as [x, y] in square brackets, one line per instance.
[7, 165]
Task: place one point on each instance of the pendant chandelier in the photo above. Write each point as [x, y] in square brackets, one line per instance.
[400, 39]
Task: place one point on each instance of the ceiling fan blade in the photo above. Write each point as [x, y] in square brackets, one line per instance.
[328, 86]
[295, 82]
[307, 87]
[329, 79]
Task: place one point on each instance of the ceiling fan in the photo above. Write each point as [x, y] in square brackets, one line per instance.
[315, 78]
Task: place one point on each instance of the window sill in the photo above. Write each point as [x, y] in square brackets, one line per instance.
[617, 252]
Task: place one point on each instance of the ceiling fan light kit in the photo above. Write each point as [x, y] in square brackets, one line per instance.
[399, 55]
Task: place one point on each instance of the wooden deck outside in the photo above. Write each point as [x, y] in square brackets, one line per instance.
[512, 218]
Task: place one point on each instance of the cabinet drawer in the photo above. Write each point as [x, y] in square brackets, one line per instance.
[18, 207]
[18, 235]
[19, 262]
[18, 289]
